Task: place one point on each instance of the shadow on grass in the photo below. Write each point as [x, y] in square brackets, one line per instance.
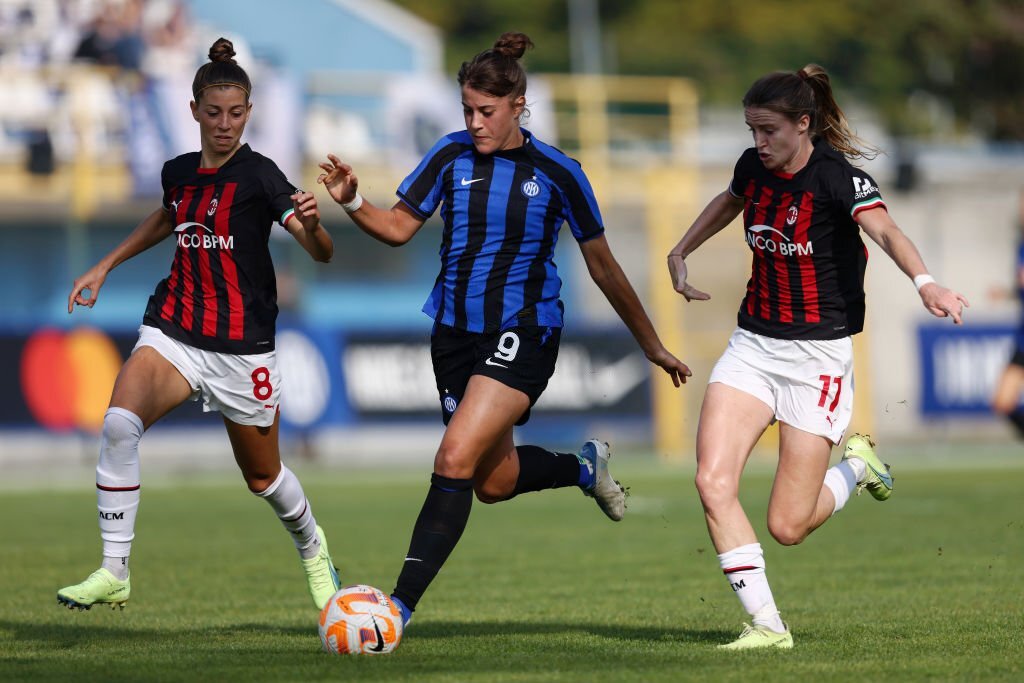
[63, 636]
[647, 634]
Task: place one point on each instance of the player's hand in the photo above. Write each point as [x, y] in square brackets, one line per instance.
[677, 271]
[92, 280]
[306, 210]
[675, 368]
[944, 303]
[339, 179]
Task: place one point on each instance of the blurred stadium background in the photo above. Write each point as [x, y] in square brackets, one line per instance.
[94, 97]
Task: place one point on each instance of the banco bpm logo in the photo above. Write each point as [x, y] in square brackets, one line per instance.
[767, 238]
[197, 238]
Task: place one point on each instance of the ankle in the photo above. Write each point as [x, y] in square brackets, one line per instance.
[118, 566]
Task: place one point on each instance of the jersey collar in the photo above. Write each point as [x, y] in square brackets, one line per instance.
[242, 152]
[517, 153]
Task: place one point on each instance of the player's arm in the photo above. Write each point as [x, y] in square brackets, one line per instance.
[719, 212]
[304, 225]
[608, 276]
[880, 227]
[153, 229]
[394, 226]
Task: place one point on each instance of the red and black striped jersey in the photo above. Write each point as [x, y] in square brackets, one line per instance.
[807, 279]
[221, 294]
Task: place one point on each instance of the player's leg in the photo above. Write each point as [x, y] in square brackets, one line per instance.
[524, 358]
[800, 502]
[147, 388]
[1006, 400]
[731, 422]
[485, 417]
[510, 470]
[258, 456]
[815, 406]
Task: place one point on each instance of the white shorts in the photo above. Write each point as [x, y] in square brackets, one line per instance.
[245, 389]
[808, 384]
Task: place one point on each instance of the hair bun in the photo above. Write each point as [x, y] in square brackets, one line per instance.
[513, 44]
[222, 51]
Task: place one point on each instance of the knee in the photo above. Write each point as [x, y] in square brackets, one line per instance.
[714, 489]
[259, 480]
[122, 429]
[787, 532]
[454, 462]
[1002, 408]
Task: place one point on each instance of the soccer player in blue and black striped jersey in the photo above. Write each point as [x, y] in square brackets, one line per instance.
[504, 195]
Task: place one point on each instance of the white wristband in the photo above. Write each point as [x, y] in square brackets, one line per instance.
[354, 204]
[922, 280]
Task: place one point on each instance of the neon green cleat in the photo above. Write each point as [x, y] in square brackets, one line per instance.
[877, 479]
[321, 574]
[101, 587]
[755, 637]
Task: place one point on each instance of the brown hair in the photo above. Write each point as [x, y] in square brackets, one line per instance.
[809, 91]
[497, 71]
[222, 69]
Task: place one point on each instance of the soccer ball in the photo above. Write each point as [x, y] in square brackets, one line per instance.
[360, 620]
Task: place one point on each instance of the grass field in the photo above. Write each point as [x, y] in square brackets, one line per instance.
[928, 585]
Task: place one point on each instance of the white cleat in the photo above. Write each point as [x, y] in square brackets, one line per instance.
[608, 492]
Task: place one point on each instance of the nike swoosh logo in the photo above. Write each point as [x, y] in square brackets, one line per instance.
[490, 361]
[470, 182]
[413, 559]
[379, 647]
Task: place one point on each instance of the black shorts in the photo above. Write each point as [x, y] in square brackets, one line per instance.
[1018, 357]
[522, 358]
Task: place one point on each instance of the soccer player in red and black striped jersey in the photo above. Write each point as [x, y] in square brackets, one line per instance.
[791, 358]
[504, 196]
[208, 331]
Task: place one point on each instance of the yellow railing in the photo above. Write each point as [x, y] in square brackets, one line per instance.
[636, 139]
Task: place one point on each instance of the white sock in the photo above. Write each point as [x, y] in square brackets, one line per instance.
[744, 568]
[841, 479]
[118, 566]
[289, 502]
[117, 487]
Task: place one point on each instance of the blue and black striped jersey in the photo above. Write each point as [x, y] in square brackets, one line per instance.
[502, 213]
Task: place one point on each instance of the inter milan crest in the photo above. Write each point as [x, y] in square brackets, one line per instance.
[530, 188]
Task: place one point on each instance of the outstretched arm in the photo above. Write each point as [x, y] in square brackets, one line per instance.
[394, 226]
[608, 276]
[152, 230]
[304, 225]
[940, 301]
[716, 215]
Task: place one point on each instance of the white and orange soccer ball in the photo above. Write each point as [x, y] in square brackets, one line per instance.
[360, 620]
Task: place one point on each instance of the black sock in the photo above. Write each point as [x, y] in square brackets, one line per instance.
[1017, 418]
[540, 469]
[438, 528]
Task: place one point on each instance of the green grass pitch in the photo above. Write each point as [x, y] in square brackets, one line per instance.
[926, 586]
